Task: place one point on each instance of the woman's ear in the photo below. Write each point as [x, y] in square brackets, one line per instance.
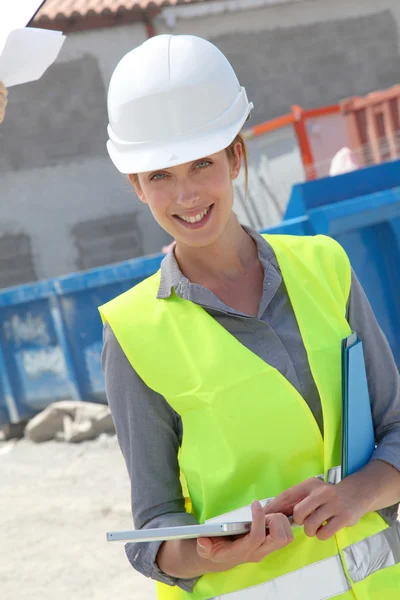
[236, 162]
[134, 179]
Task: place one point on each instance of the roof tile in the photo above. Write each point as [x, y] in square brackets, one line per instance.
[65, 9]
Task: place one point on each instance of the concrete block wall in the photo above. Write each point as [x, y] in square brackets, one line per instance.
[58, 186]
[307, 52]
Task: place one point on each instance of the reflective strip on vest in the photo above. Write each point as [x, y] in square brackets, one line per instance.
[320, 580]
[326, 578]
[334, 475]
[373, 553]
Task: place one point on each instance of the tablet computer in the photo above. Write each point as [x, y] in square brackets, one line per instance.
[183, 532]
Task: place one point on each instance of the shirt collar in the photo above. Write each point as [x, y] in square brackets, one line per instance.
[172, 277]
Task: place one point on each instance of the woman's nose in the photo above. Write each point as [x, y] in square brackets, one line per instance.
[186, 195]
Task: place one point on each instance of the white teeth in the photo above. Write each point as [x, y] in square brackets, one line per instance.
[196, 218]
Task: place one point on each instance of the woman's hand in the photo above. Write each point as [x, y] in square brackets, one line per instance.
[322, 508]
[225, 553]
[185, 559]
[3, 101]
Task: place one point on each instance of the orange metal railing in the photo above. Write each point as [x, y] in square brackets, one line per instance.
[373, 124]
[369, 126]
[298, 119]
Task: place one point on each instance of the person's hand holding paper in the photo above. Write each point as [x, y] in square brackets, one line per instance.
[3, 101]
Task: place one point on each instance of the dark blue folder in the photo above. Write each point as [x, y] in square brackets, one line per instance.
[358, 440]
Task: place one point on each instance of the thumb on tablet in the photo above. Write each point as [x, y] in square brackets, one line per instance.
[204, 547]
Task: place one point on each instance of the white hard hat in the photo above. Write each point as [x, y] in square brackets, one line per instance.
[172, 100]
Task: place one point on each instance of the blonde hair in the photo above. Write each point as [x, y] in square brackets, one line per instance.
[230, 150]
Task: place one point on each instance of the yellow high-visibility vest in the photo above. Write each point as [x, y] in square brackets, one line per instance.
[248, 433]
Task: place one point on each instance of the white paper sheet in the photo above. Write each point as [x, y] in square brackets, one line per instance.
[27, 54]
[16, 14]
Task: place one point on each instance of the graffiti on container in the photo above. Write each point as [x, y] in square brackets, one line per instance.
[45, 360]
[27, 330]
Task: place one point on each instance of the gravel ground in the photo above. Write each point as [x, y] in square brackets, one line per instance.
[57, 500]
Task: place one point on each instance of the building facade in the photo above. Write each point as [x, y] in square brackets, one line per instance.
[64, 207]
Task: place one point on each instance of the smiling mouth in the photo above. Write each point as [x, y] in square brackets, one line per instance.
[195, 218]
[195, 221]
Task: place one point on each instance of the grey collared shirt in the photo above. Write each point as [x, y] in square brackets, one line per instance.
[150, 431]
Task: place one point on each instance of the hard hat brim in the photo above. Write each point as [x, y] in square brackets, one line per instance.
[130, 158]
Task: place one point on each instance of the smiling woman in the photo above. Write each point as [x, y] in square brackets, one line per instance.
[223, 370]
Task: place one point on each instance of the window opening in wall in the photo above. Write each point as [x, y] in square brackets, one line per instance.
[108, 240]
[16, 261]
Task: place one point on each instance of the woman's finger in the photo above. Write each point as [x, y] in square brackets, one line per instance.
[217, 549]
[333, 526]
[316, 520]
[285, 502]
[204, 547]
[257, 533]
[235, 550]
[246, 545]
[279, 529]
[316, 499]
[280, 535]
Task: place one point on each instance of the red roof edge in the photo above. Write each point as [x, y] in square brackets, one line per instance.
[92, 20]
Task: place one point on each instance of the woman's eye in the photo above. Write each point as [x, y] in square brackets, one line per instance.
[157, 177]
[203, 163]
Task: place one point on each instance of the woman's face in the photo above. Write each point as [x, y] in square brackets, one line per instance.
[192, 202]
